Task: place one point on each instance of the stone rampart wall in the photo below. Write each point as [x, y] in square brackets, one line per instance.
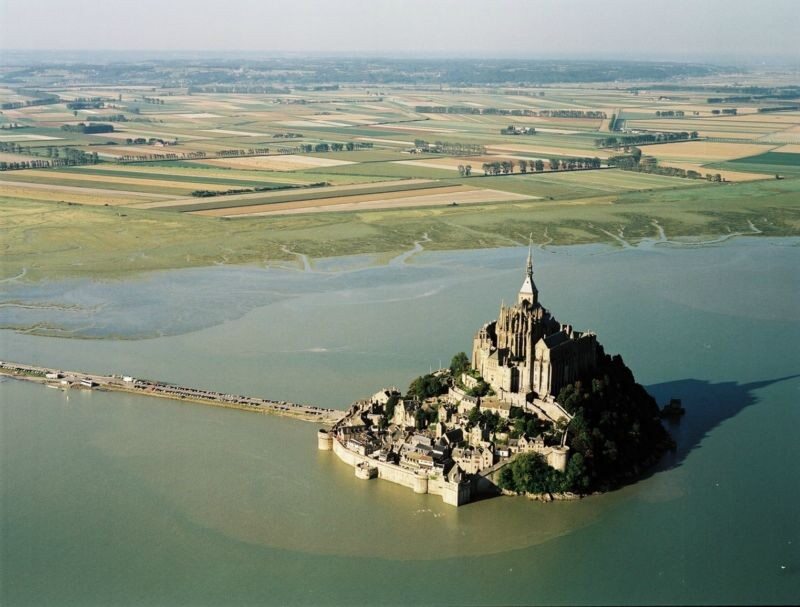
[436, 485]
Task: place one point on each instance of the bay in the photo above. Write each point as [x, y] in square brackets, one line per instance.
[117, 499]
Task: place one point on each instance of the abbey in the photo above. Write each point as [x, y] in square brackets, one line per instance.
[526, 355]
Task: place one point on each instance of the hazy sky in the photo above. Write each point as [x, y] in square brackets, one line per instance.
[669, 29]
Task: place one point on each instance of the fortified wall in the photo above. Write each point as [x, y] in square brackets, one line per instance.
[452, 493]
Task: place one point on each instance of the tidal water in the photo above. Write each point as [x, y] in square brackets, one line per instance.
[110, 499]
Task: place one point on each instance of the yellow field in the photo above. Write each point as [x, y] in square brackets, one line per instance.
[289, 162]
[442, 196]
[704, 151]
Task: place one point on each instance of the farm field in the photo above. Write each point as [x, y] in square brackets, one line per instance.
[448, 195]
[770, 163]
[358, 168]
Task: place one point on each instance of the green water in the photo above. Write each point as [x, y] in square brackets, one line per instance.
[115, 499]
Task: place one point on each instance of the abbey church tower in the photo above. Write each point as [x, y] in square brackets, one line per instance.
[526, 353]
[529, 291]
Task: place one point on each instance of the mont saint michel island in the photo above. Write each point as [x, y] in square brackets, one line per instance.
[538, 409]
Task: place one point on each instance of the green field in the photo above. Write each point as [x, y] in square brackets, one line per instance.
[770, 162]
[50, 240]
[47, 230]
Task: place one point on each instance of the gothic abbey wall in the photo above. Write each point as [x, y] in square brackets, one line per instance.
[526, 353]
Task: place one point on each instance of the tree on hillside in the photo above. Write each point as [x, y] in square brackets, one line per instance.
[459, 364]
[426, 386]
[468, 170]
[523, 166]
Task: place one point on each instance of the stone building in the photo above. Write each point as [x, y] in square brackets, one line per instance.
[526, 353]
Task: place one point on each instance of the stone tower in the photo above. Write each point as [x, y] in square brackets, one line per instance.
[526, 353]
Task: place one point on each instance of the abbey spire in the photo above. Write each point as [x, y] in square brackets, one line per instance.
[529, 291]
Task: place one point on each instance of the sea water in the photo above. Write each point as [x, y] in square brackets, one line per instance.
[110, 498]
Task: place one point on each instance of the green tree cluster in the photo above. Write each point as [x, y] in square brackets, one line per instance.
[616, 426]
[459, 364]
[426, 386]
[529, 473]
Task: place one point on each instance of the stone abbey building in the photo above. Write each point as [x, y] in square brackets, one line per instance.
[526, 355]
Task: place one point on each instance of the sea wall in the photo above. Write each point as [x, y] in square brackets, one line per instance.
[454, 494]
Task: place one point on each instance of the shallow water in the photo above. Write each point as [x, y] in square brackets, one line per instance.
[109, 498]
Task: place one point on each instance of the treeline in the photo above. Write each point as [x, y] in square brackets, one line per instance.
[778, 108]
[108, 118]
[129, 158]
[39, 98]
[614, 435]
[759, 94]
[494, 111]
[264, 188]
[627, 140]
[86, 103]
[634, 161]
[150, 141]
[726, 112]
[506, 167]
[153, 100]
[88, 129]
[239, 89]
[350, 146]
[670, 113]
[468, 109]
[318, 87]
[56, 158]
[449, 148]
[573, 114]
[245, 152]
